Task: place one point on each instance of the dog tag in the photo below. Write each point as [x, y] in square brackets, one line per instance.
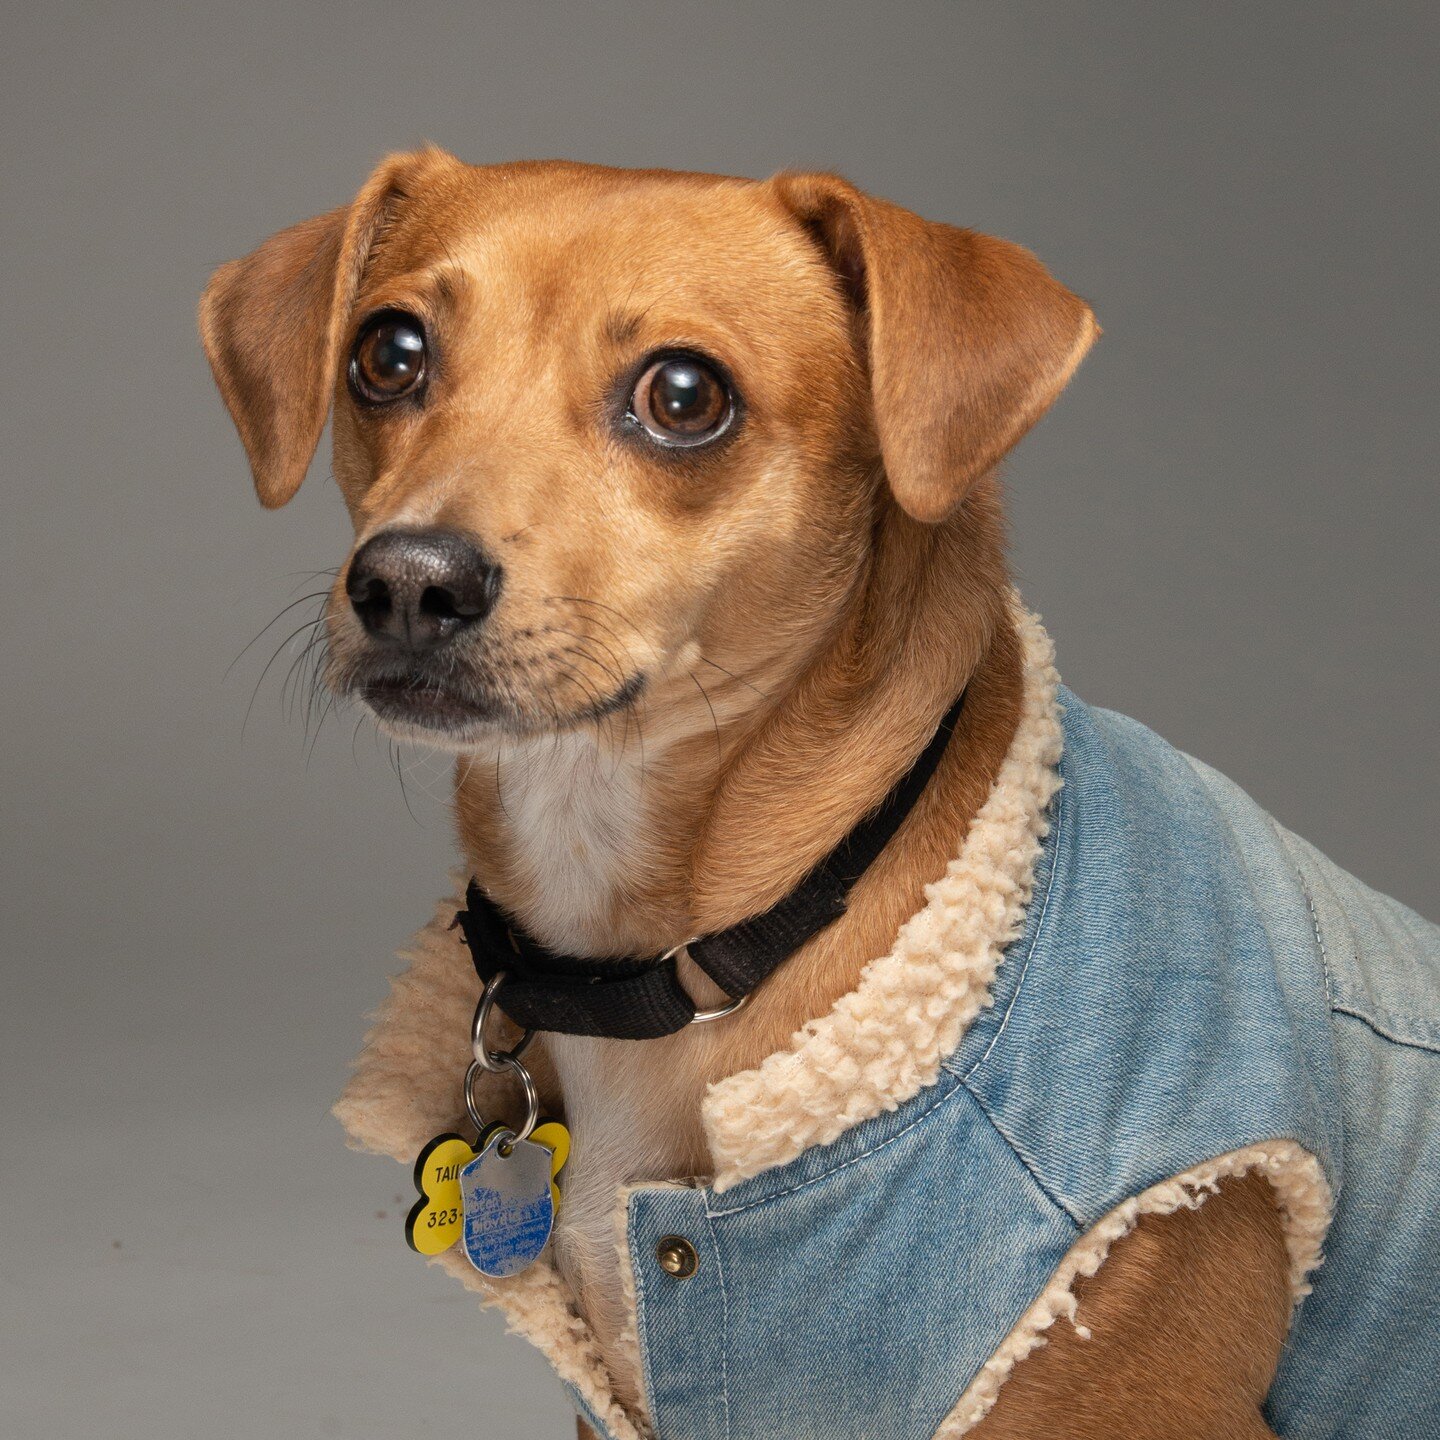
[434, 1221]
[553, 1135]
[507, 1205]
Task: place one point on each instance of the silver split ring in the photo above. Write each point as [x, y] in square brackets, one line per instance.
[527, 1084]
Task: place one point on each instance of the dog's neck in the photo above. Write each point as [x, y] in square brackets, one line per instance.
[708, 805]
[597, 851]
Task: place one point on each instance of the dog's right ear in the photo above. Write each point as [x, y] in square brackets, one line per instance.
[272, 323]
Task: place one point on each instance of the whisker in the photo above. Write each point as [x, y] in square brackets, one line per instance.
[333, 573]
[738, 679]
[254, 694]
[319, 725]
[619, 673]
[419, 770]
[315, 595]
[317, 639]
[400, 776]
[462, 779]
[618, 681]
[499, 793]
[719, 748]
[592, 696]
[600, 605]
[613, 678]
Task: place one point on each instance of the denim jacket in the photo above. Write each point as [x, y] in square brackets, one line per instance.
[1183, 991]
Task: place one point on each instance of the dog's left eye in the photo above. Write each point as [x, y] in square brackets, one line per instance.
[388, 360]
[680, 400]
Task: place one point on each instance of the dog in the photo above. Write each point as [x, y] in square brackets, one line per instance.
[678, 520]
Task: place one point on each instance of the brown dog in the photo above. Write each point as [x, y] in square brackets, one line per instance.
[713, 461]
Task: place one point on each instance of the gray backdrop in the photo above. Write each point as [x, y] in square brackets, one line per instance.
[1229, 523]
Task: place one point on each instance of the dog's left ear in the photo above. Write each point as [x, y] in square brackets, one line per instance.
[968, 339]
[272, 323]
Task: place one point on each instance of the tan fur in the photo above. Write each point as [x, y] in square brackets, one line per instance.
[803, 603]
[1186, 1321]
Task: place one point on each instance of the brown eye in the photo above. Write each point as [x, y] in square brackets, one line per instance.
[681, 401]
[389, 357]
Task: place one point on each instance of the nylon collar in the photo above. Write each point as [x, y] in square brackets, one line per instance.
[642, 999]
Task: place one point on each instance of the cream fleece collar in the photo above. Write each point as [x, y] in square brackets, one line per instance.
[877, 1048]
[884, 1041]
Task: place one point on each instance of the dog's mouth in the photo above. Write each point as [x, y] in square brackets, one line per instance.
[413, 702]
[417, 705]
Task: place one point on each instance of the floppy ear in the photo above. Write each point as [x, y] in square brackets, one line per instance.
[969, 339]
[272, 324]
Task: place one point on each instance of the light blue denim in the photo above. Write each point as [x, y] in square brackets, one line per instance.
[1191, 979]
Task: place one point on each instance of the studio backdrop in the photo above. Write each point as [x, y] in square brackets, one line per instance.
[1229, 523]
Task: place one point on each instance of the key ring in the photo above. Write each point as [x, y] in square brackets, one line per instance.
[497, 1062]
[532, 1101]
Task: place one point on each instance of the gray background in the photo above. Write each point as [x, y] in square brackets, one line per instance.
[1229, 523]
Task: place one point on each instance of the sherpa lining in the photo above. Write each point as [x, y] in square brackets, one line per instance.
[884, 1041]
[878, 1047]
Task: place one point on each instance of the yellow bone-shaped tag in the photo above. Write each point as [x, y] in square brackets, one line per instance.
[436, 1219]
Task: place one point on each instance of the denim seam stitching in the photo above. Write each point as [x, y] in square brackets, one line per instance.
[1342, 1002]
[835, 1169]
[1032, 1169]
[1319, 937]
[1345, 999]
[1060, 812]
[641, 1337]
[724, 1321]
[1429, 1046]
[588, 1414]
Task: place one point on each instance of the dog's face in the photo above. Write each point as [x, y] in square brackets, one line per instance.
[601, 430]
[631, 400]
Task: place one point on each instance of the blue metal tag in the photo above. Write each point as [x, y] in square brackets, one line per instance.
[509, 1210]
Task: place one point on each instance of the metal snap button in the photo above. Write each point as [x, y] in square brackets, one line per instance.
[676, 1256]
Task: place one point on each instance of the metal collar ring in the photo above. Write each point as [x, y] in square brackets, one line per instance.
[703, 1017]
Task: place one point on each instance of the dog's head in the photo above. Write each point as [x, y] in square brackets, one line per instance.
[595, 427]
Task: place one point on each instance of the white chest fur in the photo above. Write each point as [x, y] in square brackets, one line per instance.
[628, 1124]
[576, 826]
[574, 821]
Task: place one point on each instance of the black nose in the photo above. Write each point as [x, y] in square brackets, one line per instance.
[417, 588]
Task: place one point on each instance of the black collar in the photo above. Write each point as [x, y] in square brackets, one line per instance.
[642, 999]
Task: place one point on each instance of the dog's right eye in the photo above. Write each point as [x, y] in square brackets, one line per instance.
[388, 360]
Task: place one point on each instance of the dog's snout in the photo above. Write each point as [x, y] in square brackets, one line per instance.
[418, 588]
